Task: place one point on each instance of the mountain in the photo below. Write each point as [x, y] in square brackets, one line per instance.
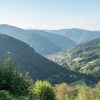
[41, 44]
[84, 58]
[78, 35]
[26, 59]
[61, 41]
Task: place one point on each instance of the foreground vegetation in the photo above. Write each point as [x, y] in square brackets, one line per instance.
[15, 85]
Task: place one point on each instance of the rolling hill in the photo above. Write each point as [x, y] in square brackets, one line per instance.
[84, 58]
[78, 35]
[38, 67]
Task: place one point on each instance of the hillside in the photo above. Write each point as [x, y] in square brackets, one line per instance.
[78, 35]
[84, 58]
[41, 44]
[27, 60]
[63, 42]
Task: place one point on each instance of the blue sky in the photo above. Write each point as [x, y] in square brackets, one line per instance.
[51, 14]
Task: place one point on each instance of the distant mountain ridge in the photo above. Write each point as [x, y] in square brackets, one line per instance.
[78, 35]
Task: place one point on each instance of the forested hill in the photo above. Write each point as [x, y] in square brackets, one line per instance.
[26, 57]
[84, 58]
[38, 67]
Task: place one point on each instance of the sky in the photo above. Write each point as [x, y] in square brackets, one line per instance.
[51, 14]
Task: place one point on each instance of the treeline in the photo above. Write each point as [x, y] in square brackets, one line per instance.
[14, 85]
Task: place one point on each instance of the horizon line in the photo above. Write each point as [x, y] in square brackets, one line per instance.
[47, 29]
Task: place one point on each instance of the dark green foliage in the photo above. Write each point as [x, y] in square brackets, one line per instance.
[12, 80]
[26, 58]
[23, 98]
[4, 95]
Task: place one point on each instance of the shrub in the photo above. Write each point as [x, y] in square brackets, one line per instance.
[98, 91]
[61, 91]
[86, 93]
[43, 90]
[23, 98]
[64, 92]
[4, 95]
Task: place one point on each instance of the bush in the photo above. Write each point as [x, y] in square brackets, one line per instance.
[23, 98]
[43, 90]
[86, 93]
[98, 91]
[4, 95]
[61, 91]
[64, 92]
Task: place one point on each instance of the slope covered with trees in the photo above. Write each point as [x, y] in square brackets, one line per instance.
[84, 58]
[27, 60]
[30, 61]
